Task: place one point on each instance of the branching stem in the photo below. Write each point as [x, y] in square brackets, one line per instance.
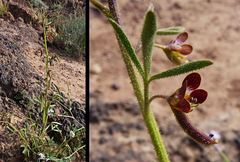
[159, 46]
[157, 96]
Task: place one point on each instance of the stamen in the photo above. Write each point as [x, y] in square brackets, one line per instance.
[193, 100]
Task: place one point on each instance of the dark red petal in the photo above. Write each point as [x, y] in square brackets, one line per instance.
[185, 49]
[181, 91]
[198, 96]
[182, 38]
[184, 106]
[193, 81]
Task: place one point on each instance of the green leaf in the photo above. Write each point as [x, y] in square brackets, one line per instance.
[127, 45]
[182, 69]
[25, 151]
[132, 76]
[171, 30]
[147, 38]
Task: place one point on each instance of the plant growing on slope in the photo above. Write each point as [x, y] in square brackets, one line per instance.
[185, 99]
[71, 35]
[43, 136]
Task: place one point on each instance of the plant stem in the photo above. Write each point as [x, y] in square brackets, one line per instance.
[160, 46]
[126, 58]
[143, 100]
[222, 154]
[47, 81]
[47, 56]
[155, 135]
[152, 126]
[146, 111]
[146, 91]
[157, 96]
[101, 7]
[114, 11]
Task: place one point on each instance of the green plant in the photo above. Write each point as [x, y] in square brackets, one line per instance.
[44, 137]
[71, 35]
[3, 8]
[185, 99]
[67, 30]
[38, 4]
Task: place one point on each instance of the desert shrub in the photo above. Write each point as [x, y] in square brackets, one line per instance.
[38, 4]
[67, 29]
[71, 35]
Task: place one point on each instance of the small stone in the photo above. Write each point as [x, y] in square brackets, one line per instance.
[117, 127]
[102, 131]
[177, 6]
[137, 126]
[9, 16]
[140, 141]
[20, 19]
[96, 69]
[102, 140]
[115, 86]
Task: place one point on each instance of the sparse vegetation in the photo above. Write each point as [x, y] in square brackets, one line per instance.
[70, 29]
[50, 142]
[67, 26]
[71, 34]
[52, 132]
[38, 4]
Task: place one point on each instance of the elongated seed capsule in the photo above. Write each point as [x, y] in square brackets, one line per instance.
[191, 131]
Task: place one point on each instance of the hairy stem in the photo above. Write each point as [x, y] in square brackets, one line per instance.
[152, 126]
[114, 11]
[146, 111]
[146, 92]
[47, 76]
[126, 58]
[156, 138]
[47, 79]
[157, 96]
[143, 100]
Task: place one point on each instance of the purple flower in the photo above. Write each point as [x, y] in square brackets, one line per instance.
[188, 96]
[177, 44]
[176, 50]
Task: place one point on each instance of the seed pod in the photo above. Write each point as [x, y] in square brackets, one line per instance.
[191, 131]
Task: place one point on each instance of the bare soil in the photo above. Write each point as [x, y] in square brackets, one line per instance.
[118, 134]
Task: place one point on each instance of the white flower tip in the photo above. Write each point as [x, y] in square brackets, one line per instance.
[215, 135]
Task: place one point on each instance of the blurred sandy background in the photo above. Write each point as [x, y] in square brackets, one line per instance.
[117, 130]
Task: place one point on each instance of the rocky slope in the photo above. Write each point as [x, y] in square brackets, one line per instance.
[21, 79]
